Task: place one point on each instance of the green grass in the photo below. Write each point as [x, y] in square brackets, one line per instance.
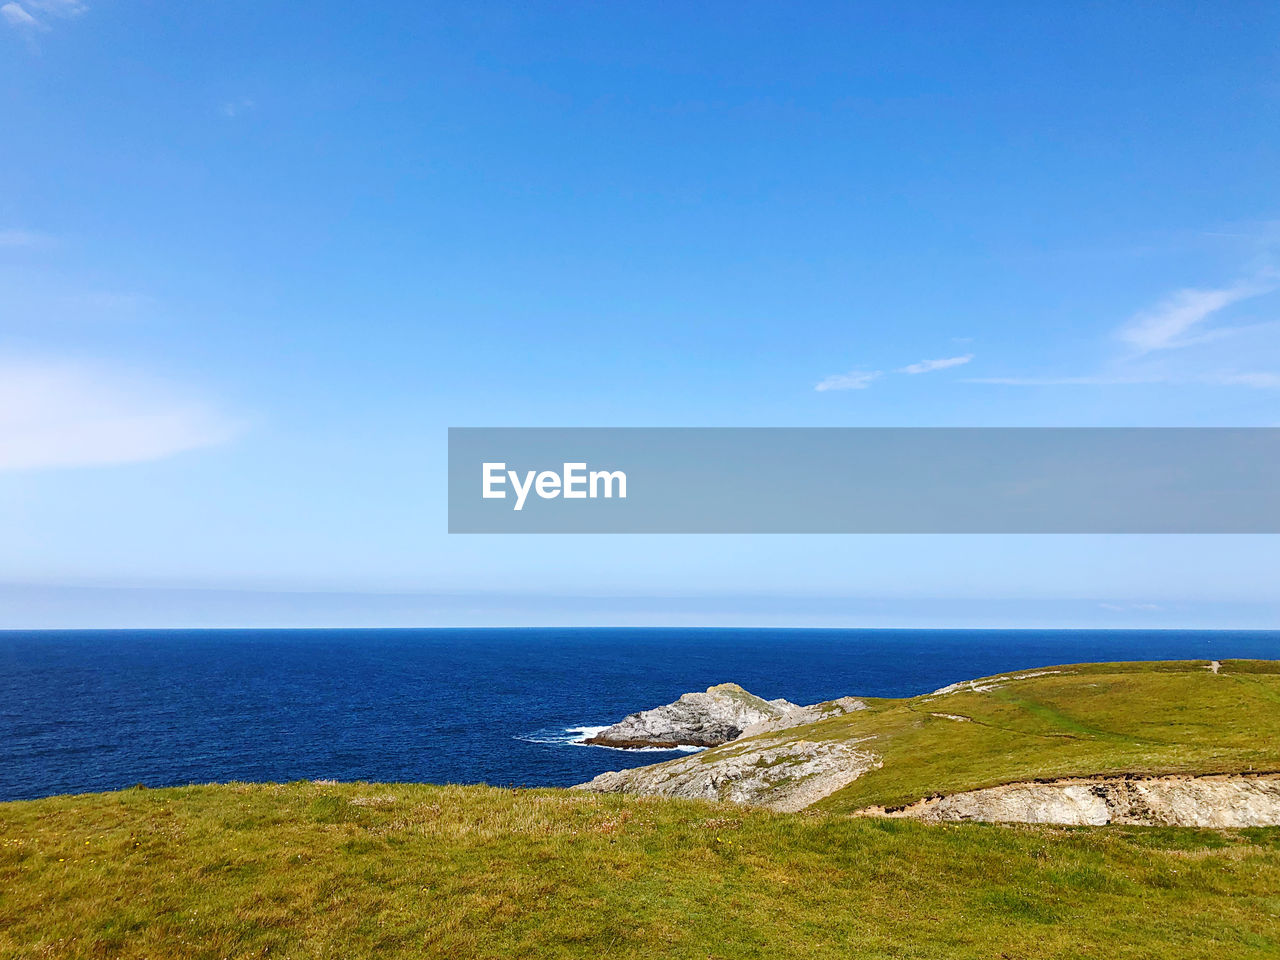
[357, 871]
[392, 871]
[1164, 717]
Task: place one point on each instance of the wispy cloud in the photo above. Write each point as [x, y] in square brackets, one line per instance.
[35, 14]
[1175, 321]
[853, 380]
[66, 415]
[1157, 339]
[928, 366]
[861, 379]
[17, 16]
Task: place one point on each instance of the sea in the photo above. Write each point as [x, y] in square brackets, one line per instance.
[102, 710]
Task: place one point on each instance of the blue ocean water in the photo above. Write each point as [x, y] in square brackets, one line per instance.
[100, 710]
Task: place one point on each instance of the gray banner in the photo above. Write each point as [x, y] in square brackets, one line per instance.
[864, 480]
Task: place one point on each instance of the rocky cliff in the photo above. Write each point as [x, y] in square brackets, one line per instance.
[723, 713]
[784, 776]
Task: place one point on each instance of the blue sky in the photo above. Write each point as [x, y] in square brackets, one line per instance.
[255, 259]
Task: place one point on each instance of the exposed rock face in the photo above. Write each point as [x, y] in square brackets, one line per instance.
[1215, 801]
[784, 776]
[696, 720]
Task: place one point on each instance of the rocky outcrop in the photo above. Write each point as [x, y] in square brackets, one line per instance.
[1183, 801]
[707, 719]
[784, 776]
[750, 765]
[722, 714]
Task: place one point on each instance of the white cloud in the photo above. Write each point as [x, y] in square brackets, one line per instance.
[1168, 324]
[928, 366]
[861, 379]
[64, 415]
[853, 380]
[17, 16]
[1157, 338]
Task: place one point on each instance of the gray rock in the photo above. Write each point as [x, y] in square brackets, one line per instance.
[751, 763]
[707, 719]
[785, 776]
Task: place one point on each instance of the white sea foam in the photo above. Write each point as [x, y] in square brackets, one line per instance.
[586, 733]
[578, 737]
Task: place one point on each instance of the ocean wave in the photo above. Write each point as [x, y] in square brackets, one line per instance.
[577, 737]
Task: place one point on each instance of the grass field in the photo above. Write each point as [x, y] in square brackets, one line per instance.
[1075, 720]
[352, 871]
[390, 871]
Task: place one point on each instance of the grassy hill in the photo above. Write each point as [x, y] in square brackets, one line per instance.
[314, 870]
[1073, 720]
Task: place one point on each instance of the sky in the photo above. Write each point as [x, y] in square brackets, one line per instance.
[255, 259]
